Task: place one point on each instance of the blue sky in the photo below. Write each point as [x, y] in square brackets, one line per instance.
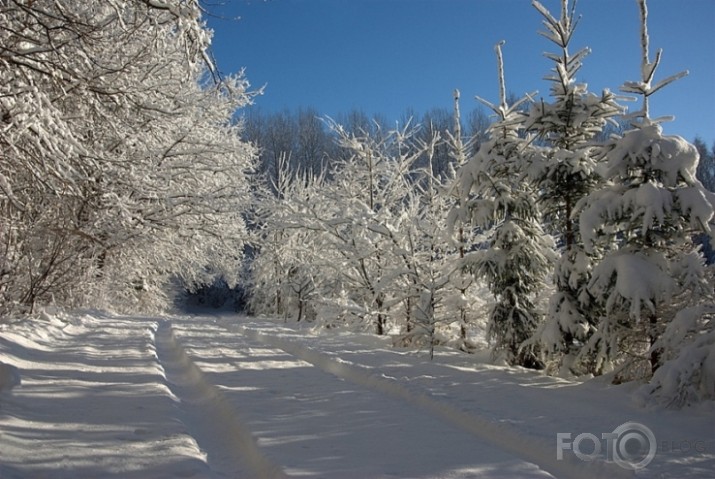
[385, 56]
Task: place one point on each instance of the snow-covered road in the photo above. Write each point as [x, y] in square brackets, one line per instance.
[225, 396]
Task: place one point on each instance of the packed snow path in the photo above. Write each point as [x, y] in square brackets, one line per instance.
[209, 416]
[93, 403]
[229, 397]
[318, 425]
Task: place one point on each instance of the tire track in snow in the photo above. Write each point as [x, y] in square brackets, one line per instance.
[508, 438]
[209, 417]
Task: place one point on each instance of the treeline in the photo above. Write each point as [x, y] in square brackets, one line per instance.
[706, 167]
[305, 141]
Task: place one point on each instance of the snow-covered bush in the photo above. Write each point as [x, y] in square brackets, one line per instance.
[286, 269]
[364, 245]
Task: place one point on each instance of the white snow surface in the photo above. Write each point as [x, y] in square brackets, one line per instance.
[93, 395]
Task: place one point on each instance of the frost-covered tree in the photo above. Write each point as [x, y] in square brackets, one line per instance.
[462, 234]
[435, 293]
[395, 221]
[288, 276]
[367, 187]
[565, 169]
[340, 215]
[120, 164]
[364, 245]
[651, 283]
[516, 253]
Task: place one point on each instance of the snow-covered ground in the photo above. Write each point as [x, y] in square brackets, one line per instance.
[96, 395]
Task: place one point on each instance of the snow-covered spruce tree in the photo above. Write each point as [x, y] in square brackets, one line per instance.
[652, 286]
[517, 253]
[564, 169]
[120, 164]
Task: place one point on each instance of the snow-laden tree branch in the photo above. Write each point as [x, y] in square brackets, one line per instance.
[121, 163]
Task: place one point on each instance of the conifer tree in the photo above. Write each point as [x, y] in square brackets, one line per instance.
[565, 169]
[650, 211]
[517, 253]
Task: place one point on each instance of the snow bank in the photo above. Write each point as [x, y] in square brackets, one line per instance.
[92, 399]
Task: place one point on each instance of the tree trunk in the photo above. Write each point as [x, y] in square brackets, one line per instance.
[655, 353]
[381, 320]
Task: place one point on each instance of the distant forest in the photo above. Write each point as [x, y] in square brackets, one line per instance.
[304, 139]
